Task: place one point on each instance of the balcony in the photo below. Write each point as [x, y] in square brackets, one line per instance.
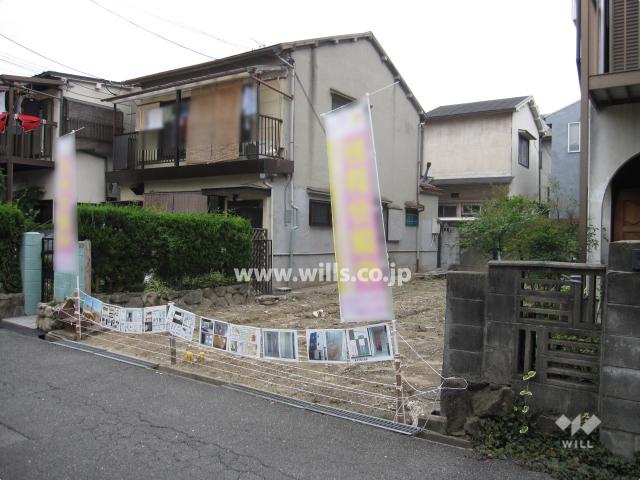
[612, 50]
[26, 149]
[153, 155]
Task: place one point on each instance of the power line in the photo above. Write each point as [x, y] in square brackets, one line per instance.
[194, 29]
[44, 56]
[151, 31]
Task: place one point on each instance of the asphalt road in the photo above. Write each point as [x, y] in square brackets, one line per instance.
[70, 414]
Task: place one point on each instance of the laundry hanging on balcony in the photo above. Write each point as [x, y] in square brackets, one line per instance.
[26, 122]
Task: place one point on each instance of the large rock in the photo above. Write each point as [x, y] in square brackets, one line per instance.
[119, 298]
[493, 402]
[238, 299]
[208, 292]
[193, 297]
[472, 427]
[456, 406]
[220, 291]
[151, 299]
[135, 302]
[221, 302]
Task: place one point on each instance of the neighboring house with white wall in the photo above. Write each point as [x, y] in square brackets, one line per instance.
[46, 106]
[609, 67]
[476, 151]
[249, 139]
[561, 157]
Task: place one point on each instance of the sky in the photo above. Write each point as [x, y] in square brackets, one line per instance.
[447, 51]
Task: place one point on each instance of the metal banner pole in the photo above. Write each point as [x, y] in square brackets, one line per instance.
[399, 416]
[77, 312]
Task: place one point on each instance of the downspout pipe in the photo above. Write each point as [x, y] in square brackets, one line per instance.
[418, 181]
[293, 221]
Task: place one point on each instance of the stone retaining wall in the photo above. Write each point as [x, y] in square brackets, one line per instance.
[223, 296]
[11, 305]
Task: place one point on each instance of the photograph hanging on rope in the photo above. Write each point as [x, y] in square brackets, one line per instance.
[244, 340]
[91, 308]
[370, 344]
[112, 317]
[133, 320]
[220, 335]
[214, 333]
[155, 319]
[181, 323]
[327, 346]
[280, 344]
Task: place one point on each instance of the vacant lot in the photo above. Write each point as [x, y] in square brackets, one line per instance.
[367, 388]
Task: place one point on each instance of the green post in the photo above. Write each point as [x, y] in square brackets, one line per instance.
[31, 270]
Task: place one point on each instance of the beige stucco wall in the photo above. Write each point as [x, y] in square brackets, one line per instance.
[91, 179]
[525, 180]
[353, 69]
[478, 146]
[615, 139]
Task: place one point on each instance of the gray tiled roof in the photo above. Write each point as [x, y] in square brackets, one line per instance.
[473, 108]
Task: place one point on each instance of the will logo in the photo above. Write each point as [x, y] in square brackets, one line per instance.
[576, 425]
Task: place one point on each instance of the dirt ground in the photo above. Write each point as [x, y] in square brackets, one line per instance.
[367, 388]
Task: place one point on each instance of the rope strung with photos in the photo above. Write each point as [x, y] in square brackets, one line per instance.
[99, 331]
[363, 344]
[270, 369]
[114, 328]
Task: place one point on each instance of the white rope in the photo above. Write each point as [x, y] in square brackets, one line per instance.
[301, 359]
[240, 359]
[351, 402]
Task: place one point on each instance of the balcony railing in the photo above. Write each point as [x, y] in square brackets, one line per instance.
[132, 150]
[87, 130]
[32, 145]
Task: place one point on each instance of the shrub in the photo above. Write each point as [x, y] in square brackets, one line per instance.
[129, 242]
[12, 226]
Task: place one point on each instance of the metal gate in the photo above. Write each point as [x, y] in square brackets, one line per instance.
[47, 268]
[261, 261]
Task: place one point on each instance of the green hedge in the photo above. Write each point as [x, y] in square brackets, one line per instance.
[12, 226]
[129, 242]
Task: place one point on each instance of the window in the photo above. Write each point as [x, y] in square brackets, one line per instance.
[248, 209]
[411, 217]
[523, 151]
[339, 100]
[573, 142]
[471, 209]
[447, 211]
[319, 213]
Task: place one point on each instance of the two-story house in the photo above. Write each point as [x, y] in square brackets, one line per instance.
[245, 134]
[36, 110]
[608, 41]
[476, 151]
[561, 157]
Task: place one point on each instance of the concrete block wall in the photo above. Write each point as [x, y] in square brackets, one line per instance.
[464, 325]
[31, 270]
[620, 372]
[501, 332]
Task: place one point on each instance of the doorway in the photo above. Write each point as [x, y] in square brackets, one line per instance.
[625, 211]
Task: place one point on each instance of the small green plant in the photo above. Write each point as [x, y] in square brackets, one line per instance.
[157, 286]
[523, 411]
[205, 280]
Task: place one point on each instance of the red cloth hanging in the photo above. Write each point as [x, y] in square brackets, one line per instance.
[29, 122]
[26, 122]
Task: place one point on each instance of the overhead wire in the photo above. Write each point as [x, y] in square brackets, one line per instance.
[151, 31]
[46, 57]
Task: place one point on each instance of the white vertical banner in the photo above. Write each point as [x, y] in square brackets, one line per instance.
[65, 243]
[358, 229]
